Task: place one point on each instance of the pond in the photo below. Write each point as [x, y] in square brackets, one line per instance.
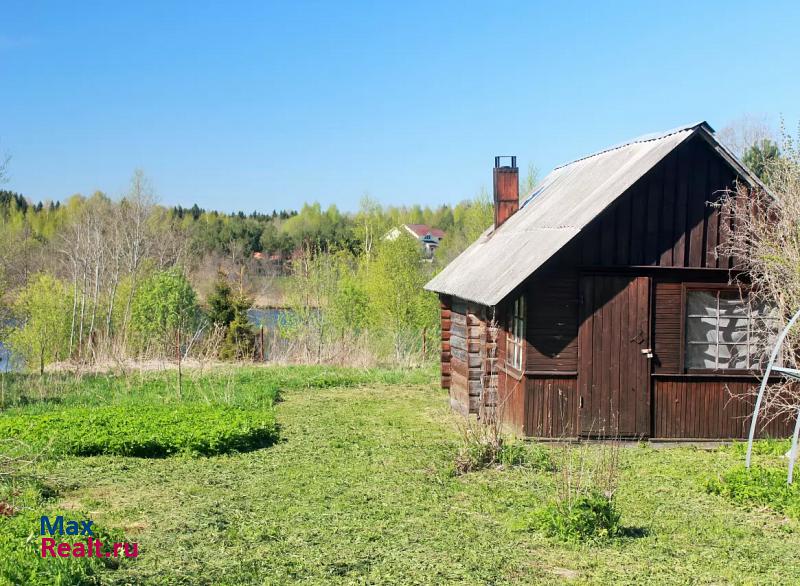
[270, 317]
[8, 362]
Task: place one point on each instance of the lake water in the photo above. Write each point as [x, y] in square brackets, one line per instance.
[7, 362]
[269, 317]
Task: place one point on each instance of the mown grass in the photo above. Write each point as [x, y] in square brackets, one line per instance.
[360, 489]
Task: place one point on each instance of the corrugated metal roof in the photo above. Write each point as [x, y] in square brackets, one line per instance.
[570, 197]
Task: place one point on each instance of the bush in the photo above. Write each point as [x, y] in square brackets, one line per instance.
[164, 304]
[143, 431]
[585, 517]
[760, 487]
[229, 311]
[43, 308]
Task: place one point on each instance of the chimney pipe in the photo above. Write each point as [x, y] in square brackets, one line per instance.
[506, 191]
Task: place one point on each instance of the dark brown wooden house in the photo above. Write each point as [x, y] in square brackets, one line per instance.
[613, 308]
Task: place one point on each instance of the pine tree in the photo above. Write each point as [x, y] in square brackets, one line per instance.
[221, 309]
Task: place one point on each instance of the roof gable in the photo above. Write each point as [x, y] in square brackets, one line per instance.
[562, 205]
[422, 230]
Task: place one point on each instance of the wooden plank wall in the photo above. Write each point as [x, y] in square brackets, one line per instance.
[706, 408]
[552, 323]
[513, 395]
[444, 316]
[666, 327]
[690, 405]
[551, 405]
[466, 364]
[664, 219]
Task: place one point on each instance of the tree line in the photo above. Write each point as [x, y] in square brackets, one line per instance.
[94, 279]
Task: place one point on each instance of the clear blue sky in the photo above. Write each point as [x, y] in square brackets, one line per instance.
[259, 106]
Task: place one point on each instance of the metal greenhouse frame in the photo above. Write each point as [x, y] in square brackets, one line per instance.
[786, 372]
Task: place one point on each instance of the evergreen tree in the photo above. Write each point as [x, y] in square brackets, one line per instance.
[760, 157]
[221, 309]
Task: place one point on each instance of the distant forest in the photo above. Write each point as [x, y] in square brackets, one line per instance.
[279, 232]
[93, 279]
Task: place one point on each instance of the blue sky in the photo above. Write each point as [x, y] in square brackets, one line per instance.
[259, 105]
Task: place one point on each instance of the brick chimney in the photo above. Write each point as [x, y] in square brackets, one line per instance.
[506, 191]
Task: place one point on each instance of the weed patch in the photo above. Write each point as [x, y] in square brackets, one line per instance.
[21, 561]
[476, 455]
[764, 447]
[586, 517]
[759, 486]
[143, 431]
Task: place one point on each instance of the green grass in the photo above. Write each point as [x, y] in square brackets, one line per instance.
[21, 562]
[360, 489]
[761, 486]
[145, 431]
[764, 484]
[245, 387]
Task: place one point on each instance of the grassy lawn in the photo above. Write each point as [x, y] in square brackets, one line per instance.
[358, 488]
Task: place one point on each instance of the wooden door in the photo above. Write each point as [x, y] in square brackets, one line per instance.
[613, 361]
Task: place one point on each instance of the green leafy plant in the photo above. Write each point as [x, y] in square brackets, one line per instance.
[43, 310]
[164, 305]
[764, 447]
[588, 516]
[20, 553]
[758, 486]
[148, 431]
[583, 507]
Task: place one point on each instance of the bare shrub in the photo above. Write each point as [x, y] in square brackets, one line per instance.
[744, 132]
[762, 234]
[587, 467]
[583, 506]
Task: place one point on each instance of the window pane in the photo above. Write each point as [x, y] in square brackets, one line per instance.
[701, 303]
[724, 331]
[516, 333]
[733, 330]
[701, 356]
[731, 304]
[734, 356]
[701, 329]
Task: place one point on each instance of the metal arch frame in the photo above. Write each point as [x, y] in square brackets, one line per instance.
[786, 372]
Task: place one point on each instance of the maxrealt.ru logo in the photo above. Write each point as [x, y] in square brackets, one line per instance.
[91, 547]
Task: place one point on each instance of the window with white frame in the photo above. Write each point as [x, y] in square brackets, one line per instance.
[516, 334]
[726, 330]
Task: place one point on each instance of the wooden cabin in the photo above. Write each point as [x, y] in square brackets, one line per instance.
[600, 306]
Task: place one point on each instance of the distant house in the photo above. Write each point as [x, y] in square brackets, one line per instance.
[429, 238]
[614, 312]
